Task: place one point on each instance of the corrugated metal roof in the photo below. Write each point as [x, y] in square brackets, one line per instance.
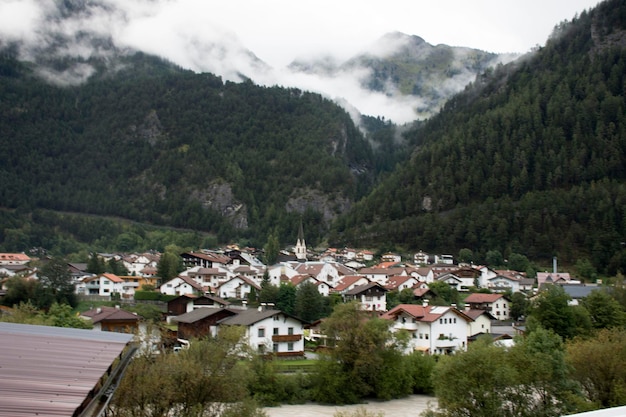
[50, 371]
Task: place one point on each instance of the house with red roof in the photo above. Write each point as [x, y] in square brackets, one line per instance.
[348, 282]
[182, 285]
[401, 282]
[497, 304]
[14, 259]
[433, 329]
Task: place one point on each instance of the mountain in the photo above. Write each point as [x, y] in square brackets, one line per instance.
[529, 159]
[154, 143]
[407, 67]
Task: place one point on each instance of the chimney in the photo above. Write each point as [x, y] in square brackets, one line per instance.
[425, 303]
[554, 265]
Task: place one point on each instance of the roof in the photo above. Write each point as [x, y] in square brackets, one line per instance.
[104, 313]
[251, 316]
[365, 287]
[474, 313]
[199, 314]
[479, 298]
[348, 280]
[423, 313]
[112, 277]
[50, 371]
[14, 257]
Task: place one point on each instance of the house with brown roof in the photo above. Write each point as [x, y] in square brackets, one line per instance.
[181, 285]
[112, 319]
[205, 259]
[497, 304]
[189, 302]
[372, 296]
[433, 329]
[201, 322]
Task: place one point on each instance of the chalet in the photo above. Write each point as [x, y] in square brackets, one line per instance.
[371, 296]
[270, 331]
[433, 329]
[112, 319]
[201, 322]
[391, 257]
[554, 278]
[328, 272]
[461, 278]
[497, 304]
[188, 302]
[205, 259]
[208, 277]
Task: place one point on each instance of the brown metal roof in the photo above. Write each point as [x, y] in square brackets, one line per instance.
[50, 371]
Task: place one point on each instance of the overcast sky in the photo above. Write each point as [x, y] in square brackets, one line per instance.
[205, 35]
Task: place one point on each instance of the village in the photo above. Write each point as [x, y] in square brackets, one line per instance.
[216, 289]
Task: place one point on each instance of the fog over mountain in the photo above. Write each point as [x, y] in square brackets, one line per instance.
[83, 30]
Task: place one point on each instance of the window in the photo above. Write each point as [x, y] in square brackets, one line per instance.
[290, 346]
[290, 330]
[454, 320]
[261, 332]
[440, 321]
[276, 318]
[275, 347]
[426, 336]
[275, 330]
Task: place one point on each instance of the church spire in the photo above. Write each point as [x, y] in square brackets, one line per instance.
[300, 248]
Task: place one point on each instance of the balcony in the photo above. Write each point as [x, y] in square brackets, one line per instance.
[286, 338]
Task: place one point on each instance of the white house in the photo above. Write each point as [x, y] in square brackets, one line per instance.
[181, 285]
[237, 287]
[481, 321]
[433, 329]
[322, 287]
[497, 304]
[372, 296]
[270, 331]
[348, 282]
[106, 285]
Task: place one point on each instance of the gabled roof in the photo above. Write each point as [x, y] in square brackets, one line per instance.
[479, 298]
[299, 279]
[200, 314]
[348, 280]
[361, 288]
[427, 314]
[246, 280]
[250, 316]
[101, 314]
[112, 277]
[474, 313]
[395, 281]
[14, 257]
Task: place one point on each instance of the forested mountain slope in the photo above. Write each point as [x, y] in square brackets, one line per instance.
[157, 144]
[528, 159]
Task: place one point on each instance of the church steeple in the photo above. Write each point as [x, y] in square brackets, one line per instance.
[300, 248]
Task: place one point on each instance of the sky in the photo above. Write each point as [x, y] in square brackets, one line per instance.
[214, 36]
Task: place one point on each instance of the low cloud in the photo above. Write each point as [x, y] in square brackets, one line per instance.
[197, 41]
